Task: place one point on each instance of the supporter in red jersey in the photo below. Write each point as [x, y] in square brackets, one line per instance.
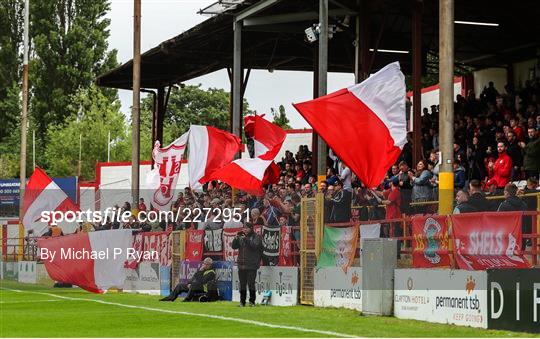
[502, 168]
[142, 205]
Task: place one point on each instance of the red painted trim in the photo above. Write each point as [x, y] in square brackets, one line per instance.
[299, 131]
[87, 184]
[435, 87]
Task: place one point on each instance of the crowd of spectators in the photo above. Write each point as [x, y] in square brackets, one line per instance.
[495, 143]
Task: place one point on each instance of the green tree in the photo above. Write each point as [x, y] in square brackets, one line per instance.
[11, 22]
[280, 117]
[96, 117]
[70, 50]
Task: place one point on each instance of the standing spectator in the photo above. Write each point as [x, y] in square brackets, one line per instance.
[345, 176]
[459, 175]
[405, 186]
[514, 151]
[502, 168]
[249, 246]
[422, 189]
[392, 200]
[142, 206]
[340, 204]
[531, 160]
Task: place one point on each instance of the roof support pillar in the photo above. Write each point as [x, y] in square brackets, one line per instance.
[136, 108]
[322, 82]
[314, 135]
[237, 80]
[417, 79]
[446, 112]
[361, 42]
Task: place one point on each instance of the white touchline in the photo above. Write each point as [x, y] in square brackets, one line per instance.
[203, 315]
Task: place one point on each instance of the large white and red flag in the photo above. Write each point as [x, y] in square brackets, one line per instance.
[163, 178]
[209, 149]
[247, 174]
[42, 194]
[93, 261]
[364, 124]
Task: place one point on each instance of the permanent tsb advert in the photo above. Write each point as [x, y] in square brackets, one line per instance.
[441, 296]
[336, 288]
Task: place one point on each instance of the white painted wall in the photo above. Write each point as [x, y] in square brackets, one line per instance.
[522, 72]
[484, 76]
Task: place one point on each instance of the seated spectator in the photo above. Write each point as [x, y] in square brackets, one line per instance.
[477, 198]
[513, 203]
[201, 287]
[463, 204]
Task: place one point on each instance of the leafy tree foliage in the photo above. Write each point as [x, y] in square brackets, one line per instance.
[280, 117]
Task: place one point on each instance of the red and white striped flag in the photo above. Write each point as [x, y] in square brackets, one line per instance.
[42, 194]
[249, 174]
[73, 259]
[364, 124]
[209, 149]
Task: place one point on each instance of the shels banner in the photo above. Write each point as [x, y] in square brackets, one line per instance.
[514, 299]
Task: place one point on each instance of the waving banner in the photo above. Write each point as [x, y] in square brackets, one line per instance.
[194, 245]
[162, 179]
[286, 247]
[430, 244]
[488, 240]
[212, 240]
[339, 246]
[137, 247]
[270, 241]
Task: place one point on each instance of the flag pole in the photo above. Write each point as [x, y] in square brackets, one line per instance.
[24, 110]
[34, 148]
[80, 155]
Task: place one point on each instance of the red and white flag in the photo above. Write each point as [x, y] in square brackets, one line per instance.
[364, 124]
[42, 194]
[163, 178]
[93, 261]
[209, 149]
[249, 174]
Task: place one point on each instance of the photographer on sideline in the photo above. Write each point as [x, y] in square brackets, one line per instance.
[249, 245]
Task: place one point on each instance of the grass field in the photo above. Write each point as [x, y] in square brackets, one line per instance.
[35, 311]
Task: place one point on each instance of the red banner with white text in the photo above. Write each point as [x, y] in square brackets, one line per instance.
[430, 241]
[152, 247]
[229, 254]
[488, 240]
[194, 245]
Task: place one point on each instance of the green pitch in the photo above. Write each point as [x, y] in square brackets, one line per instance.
[35, 311]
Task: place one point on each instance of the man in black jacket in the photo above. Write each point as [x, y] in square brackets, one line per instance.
[513, 203]
[249, 245]
[340, 204]
[463, 204]
[477, 199]
[201, 287]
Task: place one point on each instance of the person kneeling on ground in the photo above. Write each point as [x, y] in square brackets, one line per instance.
[201, 287]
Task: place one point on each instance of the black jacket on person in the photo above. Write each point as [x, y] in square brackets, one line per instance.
[340, 206]
[479, 202]
[466, 207]
[249, 251]
[514, 203]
